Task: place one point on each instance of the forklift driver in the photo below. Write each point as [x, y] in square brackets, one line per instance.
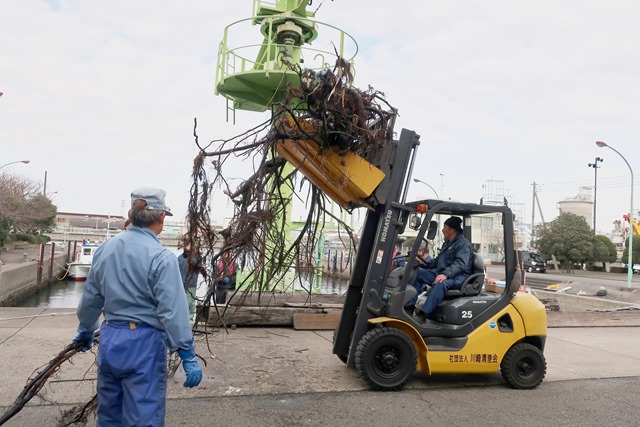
[449, 269]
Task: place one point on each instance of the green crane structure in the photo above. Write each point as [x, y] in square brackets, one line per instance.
[254, 77]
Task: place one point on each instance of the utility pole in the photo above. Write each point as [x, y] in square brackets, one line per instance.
[539, 209]
[44, 189]
[595, 167]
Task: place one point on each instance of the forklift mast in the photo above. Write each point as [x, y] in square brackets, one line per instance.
[373, 261]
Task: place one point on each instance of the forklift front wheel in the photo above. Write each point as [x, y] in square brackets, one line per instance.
[524, 366]
[386, 358]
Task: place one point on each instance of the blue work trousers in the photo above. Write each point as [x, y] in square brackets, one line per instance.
[425, 278]
[132, 375]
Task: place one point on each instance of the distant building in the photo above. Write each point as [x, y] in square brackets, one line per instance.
[72, 226]
[89, 220]
[581, 205]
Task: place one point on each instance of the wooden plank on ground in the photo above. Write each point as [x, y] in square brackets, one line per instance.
[315, 321]
[277, 299]
[251, 316]
[312, 305]
[257, 316]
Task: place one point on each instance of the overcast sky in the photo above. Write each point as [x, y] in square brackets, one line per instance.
[102, 94]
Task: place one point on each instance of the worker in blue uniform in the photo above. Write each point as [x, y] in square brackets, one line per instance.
[135, 283]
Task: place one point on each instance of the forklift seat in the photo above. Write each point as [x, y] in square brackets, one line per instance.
[395, 279]
[473, 285]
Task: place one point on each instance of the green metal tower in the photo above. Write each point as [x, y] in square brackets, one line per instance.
[254, 77]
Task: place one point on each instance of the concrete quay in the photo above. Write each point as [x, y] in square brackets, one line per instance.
[247, 362]
[21, 273]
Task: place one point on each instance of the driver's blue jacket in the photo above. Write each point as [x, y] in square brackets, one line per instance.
[455, 259]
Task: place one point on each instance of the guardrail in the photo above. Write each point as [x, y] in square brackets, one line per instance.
[93, 235]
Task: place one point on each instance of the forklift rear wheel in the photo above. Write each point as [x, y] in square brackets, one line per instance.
[524, 366]
[386, 358]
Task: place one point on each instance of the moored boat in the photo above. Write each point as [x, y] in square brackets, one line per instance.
[79, 269]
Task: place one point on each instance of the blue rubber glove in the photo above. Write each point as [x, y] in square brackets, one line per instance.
[191, 367]
[85, 337]
[226, 281]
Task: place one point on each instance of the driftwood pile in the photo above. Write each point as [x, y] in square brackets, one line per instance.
[297, 310]
[325, 109]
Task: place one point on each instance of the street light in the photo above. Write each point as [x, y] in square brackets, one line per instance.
[51, 195]
[17, 161]
[422, 182]
[594, 165]
[630, 259]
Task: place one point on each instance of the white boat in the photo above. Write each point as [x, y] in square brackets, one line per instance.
[79, 269]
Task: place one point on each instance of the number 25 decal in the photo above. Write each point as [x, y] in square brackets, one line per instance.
[467, 314]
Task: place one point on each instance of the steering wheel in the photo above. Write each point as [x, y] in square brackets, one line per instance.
[422, 263]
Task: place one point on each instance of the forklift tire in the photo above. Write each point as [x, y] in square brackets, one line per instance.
[524, 366]
[386, 358]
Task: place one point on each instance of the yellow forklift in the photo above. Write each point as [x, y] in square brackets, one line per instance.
[471, 331]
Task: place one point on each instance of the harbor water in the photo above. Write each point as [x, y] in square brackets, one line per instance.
[67, 293]
[64, 294]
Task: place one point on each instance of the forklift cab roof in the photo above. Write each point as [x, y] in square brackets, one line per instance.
[458, 208]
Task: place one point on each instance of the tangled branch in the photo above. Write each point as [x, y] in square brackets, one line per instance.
[37, 382]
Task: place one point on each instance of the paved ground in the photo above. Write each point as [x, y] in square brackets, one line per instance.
[269, 362]
[275, 361]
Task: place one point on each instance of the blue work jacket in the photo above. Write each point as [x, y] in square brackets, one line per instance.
[133, 278]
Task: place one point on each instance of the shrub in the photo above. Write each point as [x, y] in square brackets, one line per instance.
[29, 238]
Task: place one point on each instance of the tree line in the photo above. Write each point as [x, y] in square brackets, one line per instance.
[25, 212]
[570, 238]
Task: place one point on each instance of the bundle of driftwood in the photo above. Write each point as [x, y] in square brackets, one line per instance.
[325, 108]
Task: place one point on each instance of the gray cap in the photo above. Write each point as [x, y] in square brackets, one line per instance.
[154, 198]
